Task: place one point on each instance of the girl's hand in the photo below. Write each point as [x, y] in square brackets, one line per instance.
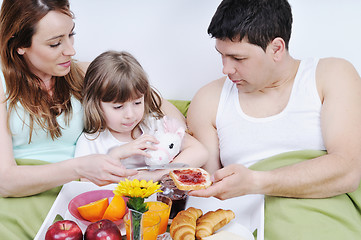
[135, 147]
[102, 169]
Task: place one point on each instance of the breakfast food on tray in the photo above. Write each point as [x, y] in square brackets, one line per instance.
[190, 178]
[183, 225]
[212, 221]
[190, 224]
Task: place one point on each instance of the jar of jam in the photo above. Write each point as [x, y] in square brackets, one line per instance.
[179, 197]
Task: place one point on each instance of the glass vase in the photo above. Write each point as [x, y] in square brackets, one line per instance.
[141, 226]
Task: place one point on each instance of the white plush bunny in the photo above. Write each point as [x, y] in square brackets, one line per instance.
[170, 136]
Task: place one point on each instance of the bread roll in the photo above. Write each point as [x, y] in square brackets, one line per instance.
[212, 221]
[183, 225]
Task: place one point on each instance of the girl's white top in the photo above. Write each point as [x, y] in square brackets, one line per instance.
[102, 142]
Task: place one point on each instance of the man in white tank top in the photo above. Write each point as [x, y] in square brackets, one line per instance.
[270, 103]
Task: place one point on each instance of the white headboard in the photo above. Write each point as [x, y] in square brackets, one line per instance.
[169, 37]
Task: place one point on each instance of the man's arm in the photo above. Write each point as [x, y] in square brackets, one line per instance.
[335, 173]
[340, 170]
[201, 119]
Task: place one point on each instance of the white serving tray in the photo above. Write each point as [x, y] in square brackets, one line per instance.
[251, 218]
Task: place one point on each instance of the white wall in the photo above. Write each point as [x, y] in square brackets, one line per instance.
[324, 28]
[169, 37]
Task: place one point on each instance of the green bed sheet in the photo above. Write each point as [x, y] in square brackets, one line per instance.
[334, 218]
[21, 218]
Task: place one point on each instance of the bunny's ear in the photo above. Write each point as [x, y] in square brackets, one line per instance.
[180, 132]
[165, 123]
[159, 125]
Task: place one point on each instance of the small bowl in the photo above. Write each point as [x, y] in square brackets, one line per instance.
[88, 197]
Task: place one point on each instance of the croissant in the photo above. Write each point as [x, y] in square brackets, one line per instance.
[183, 225]
[212, 221]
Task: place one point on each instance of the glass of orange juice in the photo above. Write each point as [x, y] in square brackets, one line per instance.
[141, 226]
[162, 208]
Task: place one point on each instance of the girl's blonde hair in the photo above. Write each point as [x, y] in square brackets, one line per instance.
[18, 23]
[116, 77]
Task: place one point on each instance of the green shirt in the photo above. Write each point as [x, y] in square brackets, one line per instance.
[42, 147]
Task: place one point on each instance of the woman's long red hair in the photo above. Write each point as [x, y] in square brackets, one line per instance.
[18, 21]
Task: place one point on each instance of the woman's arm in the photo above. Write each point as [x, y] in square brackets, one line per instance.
[16, 181]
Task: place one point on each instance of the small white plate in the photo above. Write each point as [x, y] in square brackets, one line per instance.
[239, 230]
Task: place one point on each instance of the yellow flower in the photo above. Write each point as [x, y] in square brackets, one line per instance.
[136, 188]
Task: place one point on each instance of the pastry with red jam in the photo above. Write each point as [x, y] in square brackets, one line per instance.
[190, 178]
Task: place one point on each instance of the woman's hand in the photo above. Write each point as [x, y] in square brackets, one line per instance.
[135, 147]
[147, 175]
[231, 181]
[102, 169]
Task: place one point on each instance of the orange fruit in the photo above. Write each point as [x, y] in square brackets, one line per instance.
[116, 209]
[94, 211]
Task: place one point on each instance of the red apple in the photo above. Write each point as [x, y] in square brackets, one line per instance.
[102, 230]
[64, 230]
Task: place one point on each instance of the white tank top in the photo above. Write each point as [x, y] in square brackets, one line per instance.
[247, 140]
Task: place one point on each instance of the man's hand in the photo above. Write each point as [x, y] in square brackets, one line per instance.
[228, 182]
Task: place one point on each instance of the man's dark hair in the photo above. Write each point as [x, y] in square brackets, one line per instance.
[258, 21]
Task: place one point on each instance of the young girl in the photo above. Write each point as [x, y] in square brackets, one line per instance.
[121, 113]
